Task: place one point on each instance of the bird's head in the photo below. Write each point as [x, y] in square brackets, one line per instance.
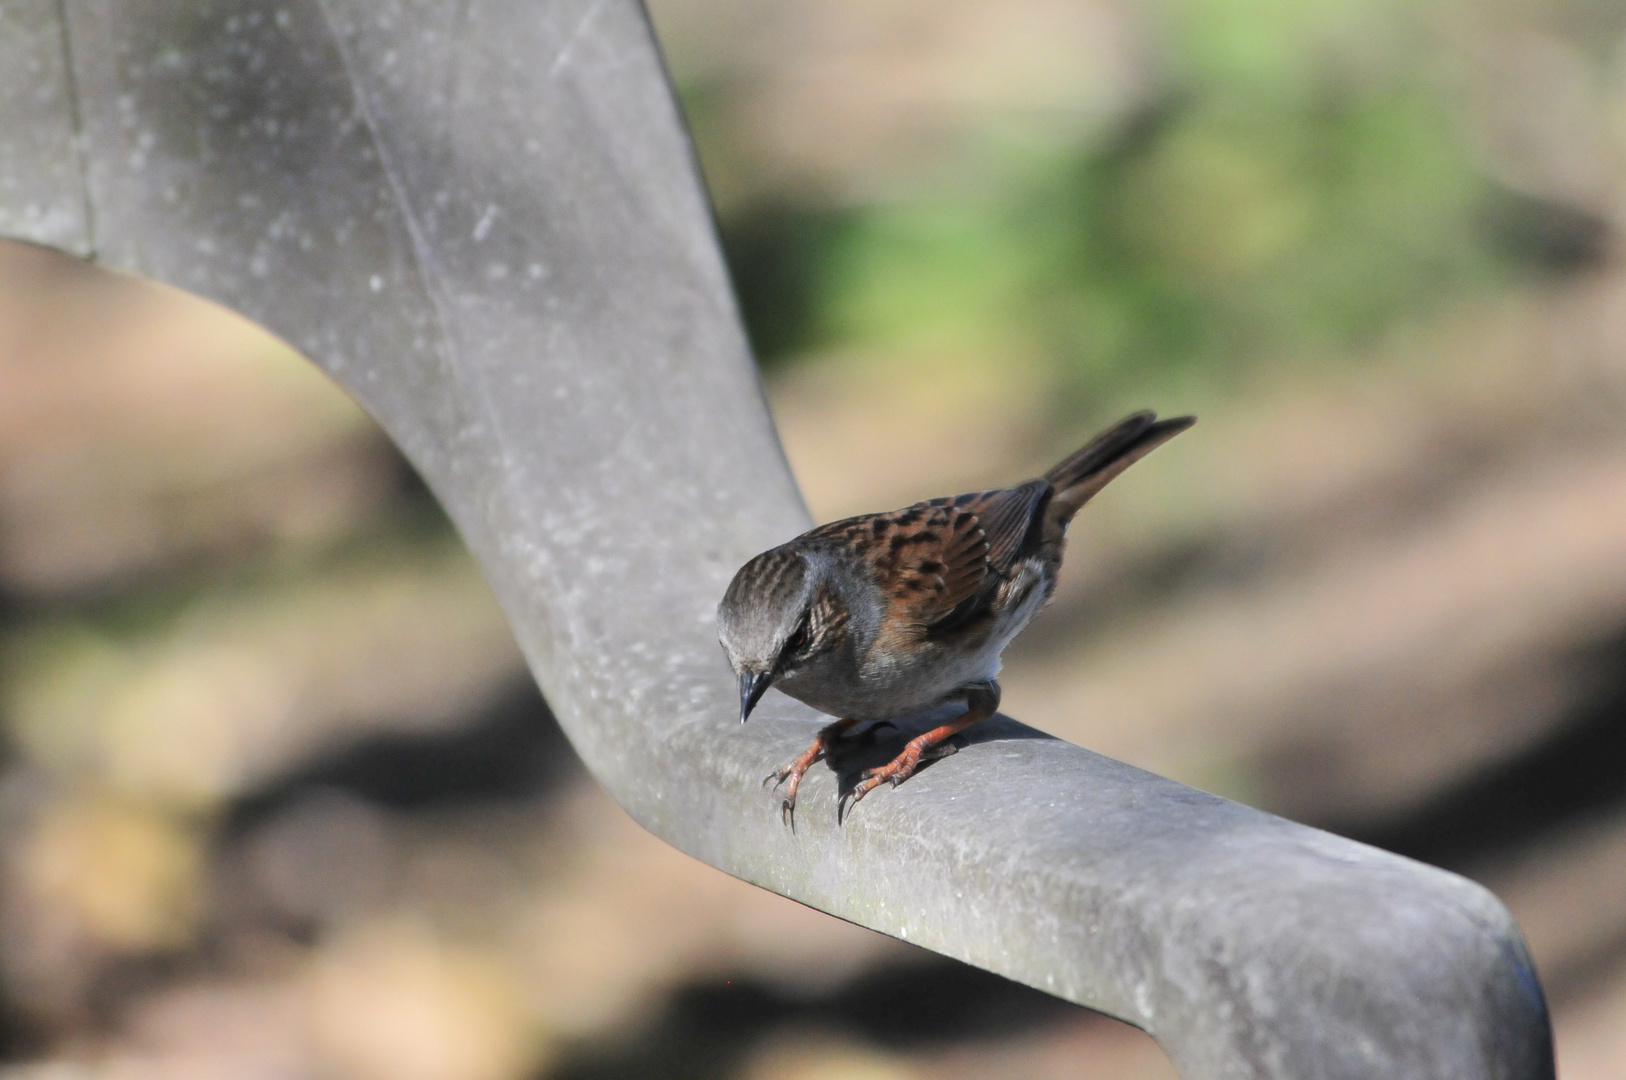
[769, 622]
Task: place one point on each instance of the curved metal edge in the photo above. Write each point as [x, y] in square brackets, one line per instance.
[484, 221]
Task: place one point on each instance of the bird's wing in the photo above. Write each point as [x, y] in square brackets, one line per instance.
[938, 560]
[1006, 516]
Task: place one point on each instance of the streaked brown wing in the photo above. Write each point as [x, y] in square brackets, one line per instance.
[1005, 516]
[935, 559]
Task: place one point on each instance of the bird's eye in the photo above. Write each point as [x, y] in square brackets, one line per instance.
[796, 642]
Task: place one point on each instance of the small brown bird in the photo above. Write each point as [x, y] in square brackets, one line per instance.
[887, 615]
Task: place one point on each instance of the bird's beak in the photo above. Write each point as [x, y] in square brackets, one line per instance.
[752, 687]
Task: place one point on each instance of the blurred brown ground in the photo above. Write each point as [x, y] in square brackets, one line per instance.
[277, 800]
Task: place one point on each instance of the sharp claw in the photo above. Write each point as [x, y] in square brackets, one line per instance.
[787, 807]
[820, 750]
[853, 798]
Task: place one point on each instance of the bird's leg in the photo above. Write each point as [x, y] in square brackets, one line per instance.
[791, 775]
[981, 702]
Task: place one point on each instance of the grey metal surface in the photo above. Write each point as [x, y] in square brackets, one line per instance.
[42, 192]
[484, 219]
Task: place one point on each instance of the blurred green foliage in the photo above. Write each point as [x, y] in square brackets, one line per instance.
[1300, 181]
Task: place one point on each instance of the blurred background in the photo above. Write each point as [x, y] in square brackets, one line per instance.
[278, 800]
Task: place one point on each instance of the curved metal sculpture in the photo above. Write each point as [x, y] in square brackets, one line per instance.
[484, 219]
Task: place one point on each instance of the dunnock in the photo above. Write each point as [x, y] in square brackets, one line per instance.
[887, 615]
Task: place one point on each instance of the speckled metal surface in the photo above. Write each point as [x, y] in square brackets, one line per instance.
[484, 219]
[42, 194]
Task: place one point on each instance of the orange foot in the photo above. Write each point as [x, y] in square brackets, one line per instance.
[791, 775]
[982, 701]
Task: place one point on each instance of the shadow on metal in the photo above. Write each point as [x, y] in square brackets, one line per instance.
[485, 221]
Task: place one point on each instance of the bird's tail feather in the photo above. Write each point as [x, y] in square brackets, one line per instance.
[1088, 470]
